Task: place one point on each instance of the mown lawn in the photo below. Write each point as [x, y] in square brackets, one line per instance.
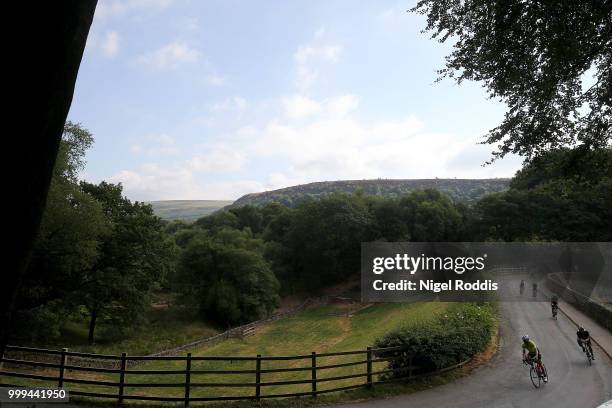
[312, 330]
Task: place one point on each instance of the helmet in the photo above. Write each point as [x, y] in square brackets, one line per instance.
[525, 338]
[581, 329]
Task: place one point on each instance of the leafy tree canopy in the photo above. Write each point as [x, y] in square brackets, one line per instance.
[225, 274]
[549, 61]
[134, 258]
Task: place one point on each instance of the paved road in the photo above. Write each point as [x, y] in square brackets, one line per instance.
[504, 382]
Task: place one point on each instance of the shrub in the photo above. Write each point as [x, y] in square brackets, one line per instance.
[450, 338]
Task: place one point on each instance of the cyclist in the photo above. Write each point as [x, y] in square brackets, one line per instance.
[535, 289]
[522, 287]
[531, 353]
[584, 339]
[554, 304]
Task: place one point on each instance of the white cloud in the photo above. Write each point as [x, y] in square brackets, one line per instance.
[153, 182]
[116, 8]
[235, 103]
[171, 55]
[218, 159]
[309, 57]
[300, 107]
[307, 53]
[312, 139]
[155, 145]
[110, 44]
[333, 146]
[315, 140]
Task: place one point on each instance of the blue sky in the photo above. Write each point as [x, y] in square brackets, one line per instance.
[215, 99]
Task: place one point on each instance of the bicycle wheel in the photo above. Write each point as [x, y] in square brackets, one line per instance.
[535, 378]
[589, 356]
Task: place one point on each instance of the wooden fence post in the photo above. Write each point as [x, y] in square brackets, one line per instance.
[314, 374]
[258, 377]
[60, 381]
[369, 366]
[122, 377]
[187, 379]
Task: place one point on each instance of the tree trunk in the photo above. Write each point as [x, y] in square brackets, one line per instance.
[92, 325]
[47, 52]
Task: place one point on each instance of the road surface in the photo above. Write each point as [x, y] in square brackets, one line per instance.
[504, 382]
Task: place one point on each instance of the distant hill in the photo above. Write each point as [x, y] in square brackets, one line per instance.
[187, 210]
[464, 190]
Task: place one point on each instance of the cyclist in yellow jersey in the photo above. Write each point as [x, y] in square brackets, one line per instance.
[531, 352]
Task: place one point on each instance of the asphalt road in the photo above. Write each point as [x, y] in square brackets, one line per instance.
[504, 382]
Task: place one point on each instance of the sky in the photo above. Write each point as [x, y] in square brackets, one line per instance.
[214, 99]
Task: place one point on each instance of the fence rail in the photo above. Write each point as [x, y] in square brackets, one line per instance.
[313, 364]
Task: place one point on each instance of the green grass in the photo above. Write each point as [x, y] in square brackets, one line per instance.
[165, 328]
[311, 330]
[187, 210]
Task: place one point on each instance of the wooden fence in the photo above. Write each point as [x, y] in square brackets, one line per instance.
[313, 366]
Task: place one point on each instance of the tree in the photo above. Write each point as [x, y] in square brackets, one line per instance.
[586, 168]
[72, 226]
[219, 219]
[557, 210]
[538, 58]
[67, 246]
[55, 44]
[226, 275]
[134, 257]
[325, 240]
[390, 220]
[249, 216]
[431, 216]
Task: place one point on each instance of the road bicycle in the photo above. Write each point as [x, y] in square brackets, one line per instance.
[537, 372]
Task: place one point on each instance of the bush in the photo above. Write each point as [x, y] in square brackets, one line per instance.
[464, 330]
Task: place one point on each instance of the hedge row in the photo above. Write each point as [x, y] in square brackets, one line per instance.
[450, 338]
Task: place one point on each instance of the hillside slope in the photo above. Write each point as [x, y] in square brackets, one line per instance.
[187, 210]
[465, 190]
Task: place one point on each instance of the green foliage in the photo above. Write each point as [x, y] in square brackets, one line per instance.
[96, 253]
[564, 196]
[586, 167]
[249, 217]
[134, 257]
[318, 243]
[72, 226]
[538, 58]
[225, 274]
[218, 220]
[325, 240]
[452, 337]
[431, 216]
[459, 190]
[71, 155]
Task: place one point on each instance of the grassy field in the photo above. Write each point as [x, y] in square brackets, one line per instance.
[315, 329]
[166, 328]
[187, 210]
